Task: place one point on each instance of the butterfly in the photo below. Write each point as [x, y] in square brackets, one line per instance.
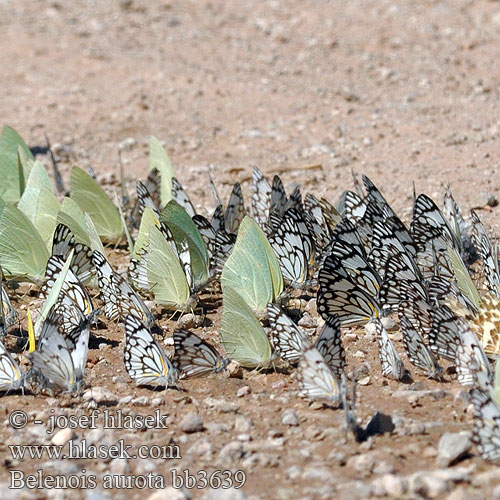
[431, 233]
[181, 197]
[486, 431]
[288, 339]
[418, 353]
[8, 315]
[81, 264]
[347, 246]
[144, 359]
[442, 289]
[117, 295]
[444, 336]
[401, 274]
[165, 270]
[352, 206]
[329, 344]
[148, 195]
[392, 365]
[315, 378]
[11, 377]
[54, 362]
[235, 210]
[488, 254]
[418, 312]
[390, 237]
[472, 364]
[261, 197]
[459, 226]
[72, 286]
[293, 247]
[338, 294]
[194, 357]
[486, 324]
[242, 334]
[219, 243]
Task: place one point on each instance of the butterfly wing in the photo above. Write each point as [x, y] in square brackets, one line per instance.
[329, 344]
[392, 365]
[261, 197]
[144, 359]
[235, 210]
[194, 357]
[486, 432]
[52, 359]
[488, 254]
[418, 353]
[181, 197]
[288, 339]
[72, 286]
[338, 294]
[315, 378]
[293, 247]
[11, 377]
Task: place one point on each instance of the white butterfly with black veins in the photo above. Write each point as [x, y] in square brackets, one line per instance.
[72, 286]
[289, 340]
[486, 431]
[347, 247]
[194, 357]
[181, 197]
[235, 210]
[144, 359]
[59, 366]
[119, 298]
[339, 294]
[392, 365]
[148, 195]
[401, 275]
[63, 242]
[472, 364]
[261, 197]
[329, 344]
[488, 254]
[418, 352]
[11, 377]
[293, 247]
[315, 378]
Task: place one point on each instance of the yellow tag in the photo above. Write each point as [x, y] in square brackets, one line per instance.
[31, 332]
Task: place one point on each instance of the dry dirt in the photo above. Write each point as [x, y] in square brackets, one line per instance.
[406, 92]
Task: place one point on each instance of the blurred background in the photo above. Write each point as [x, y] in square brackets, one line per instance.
[403, 91]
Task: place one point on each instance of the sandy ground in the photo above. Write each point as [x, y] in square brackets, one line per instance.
[406, 92]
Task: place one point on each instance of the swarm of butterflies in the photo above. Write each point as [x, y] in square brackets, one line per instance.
[358, 258]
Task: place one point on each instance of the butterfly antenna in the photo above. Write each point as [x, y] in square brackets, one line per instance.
[61, 188]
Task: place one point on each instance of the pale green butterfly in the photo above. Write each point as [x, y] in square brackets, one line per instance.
[39, 203]
[81, 224]
[12, 147]
[148, 220]
[164, 271]
[93, 200]
[252, 268]
[160, 160]
[464, 280]
[243, 337]
[23, 253]
[184, 229]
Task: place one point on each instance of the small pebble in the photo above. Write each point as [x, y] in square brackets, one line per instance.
[192, 422]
